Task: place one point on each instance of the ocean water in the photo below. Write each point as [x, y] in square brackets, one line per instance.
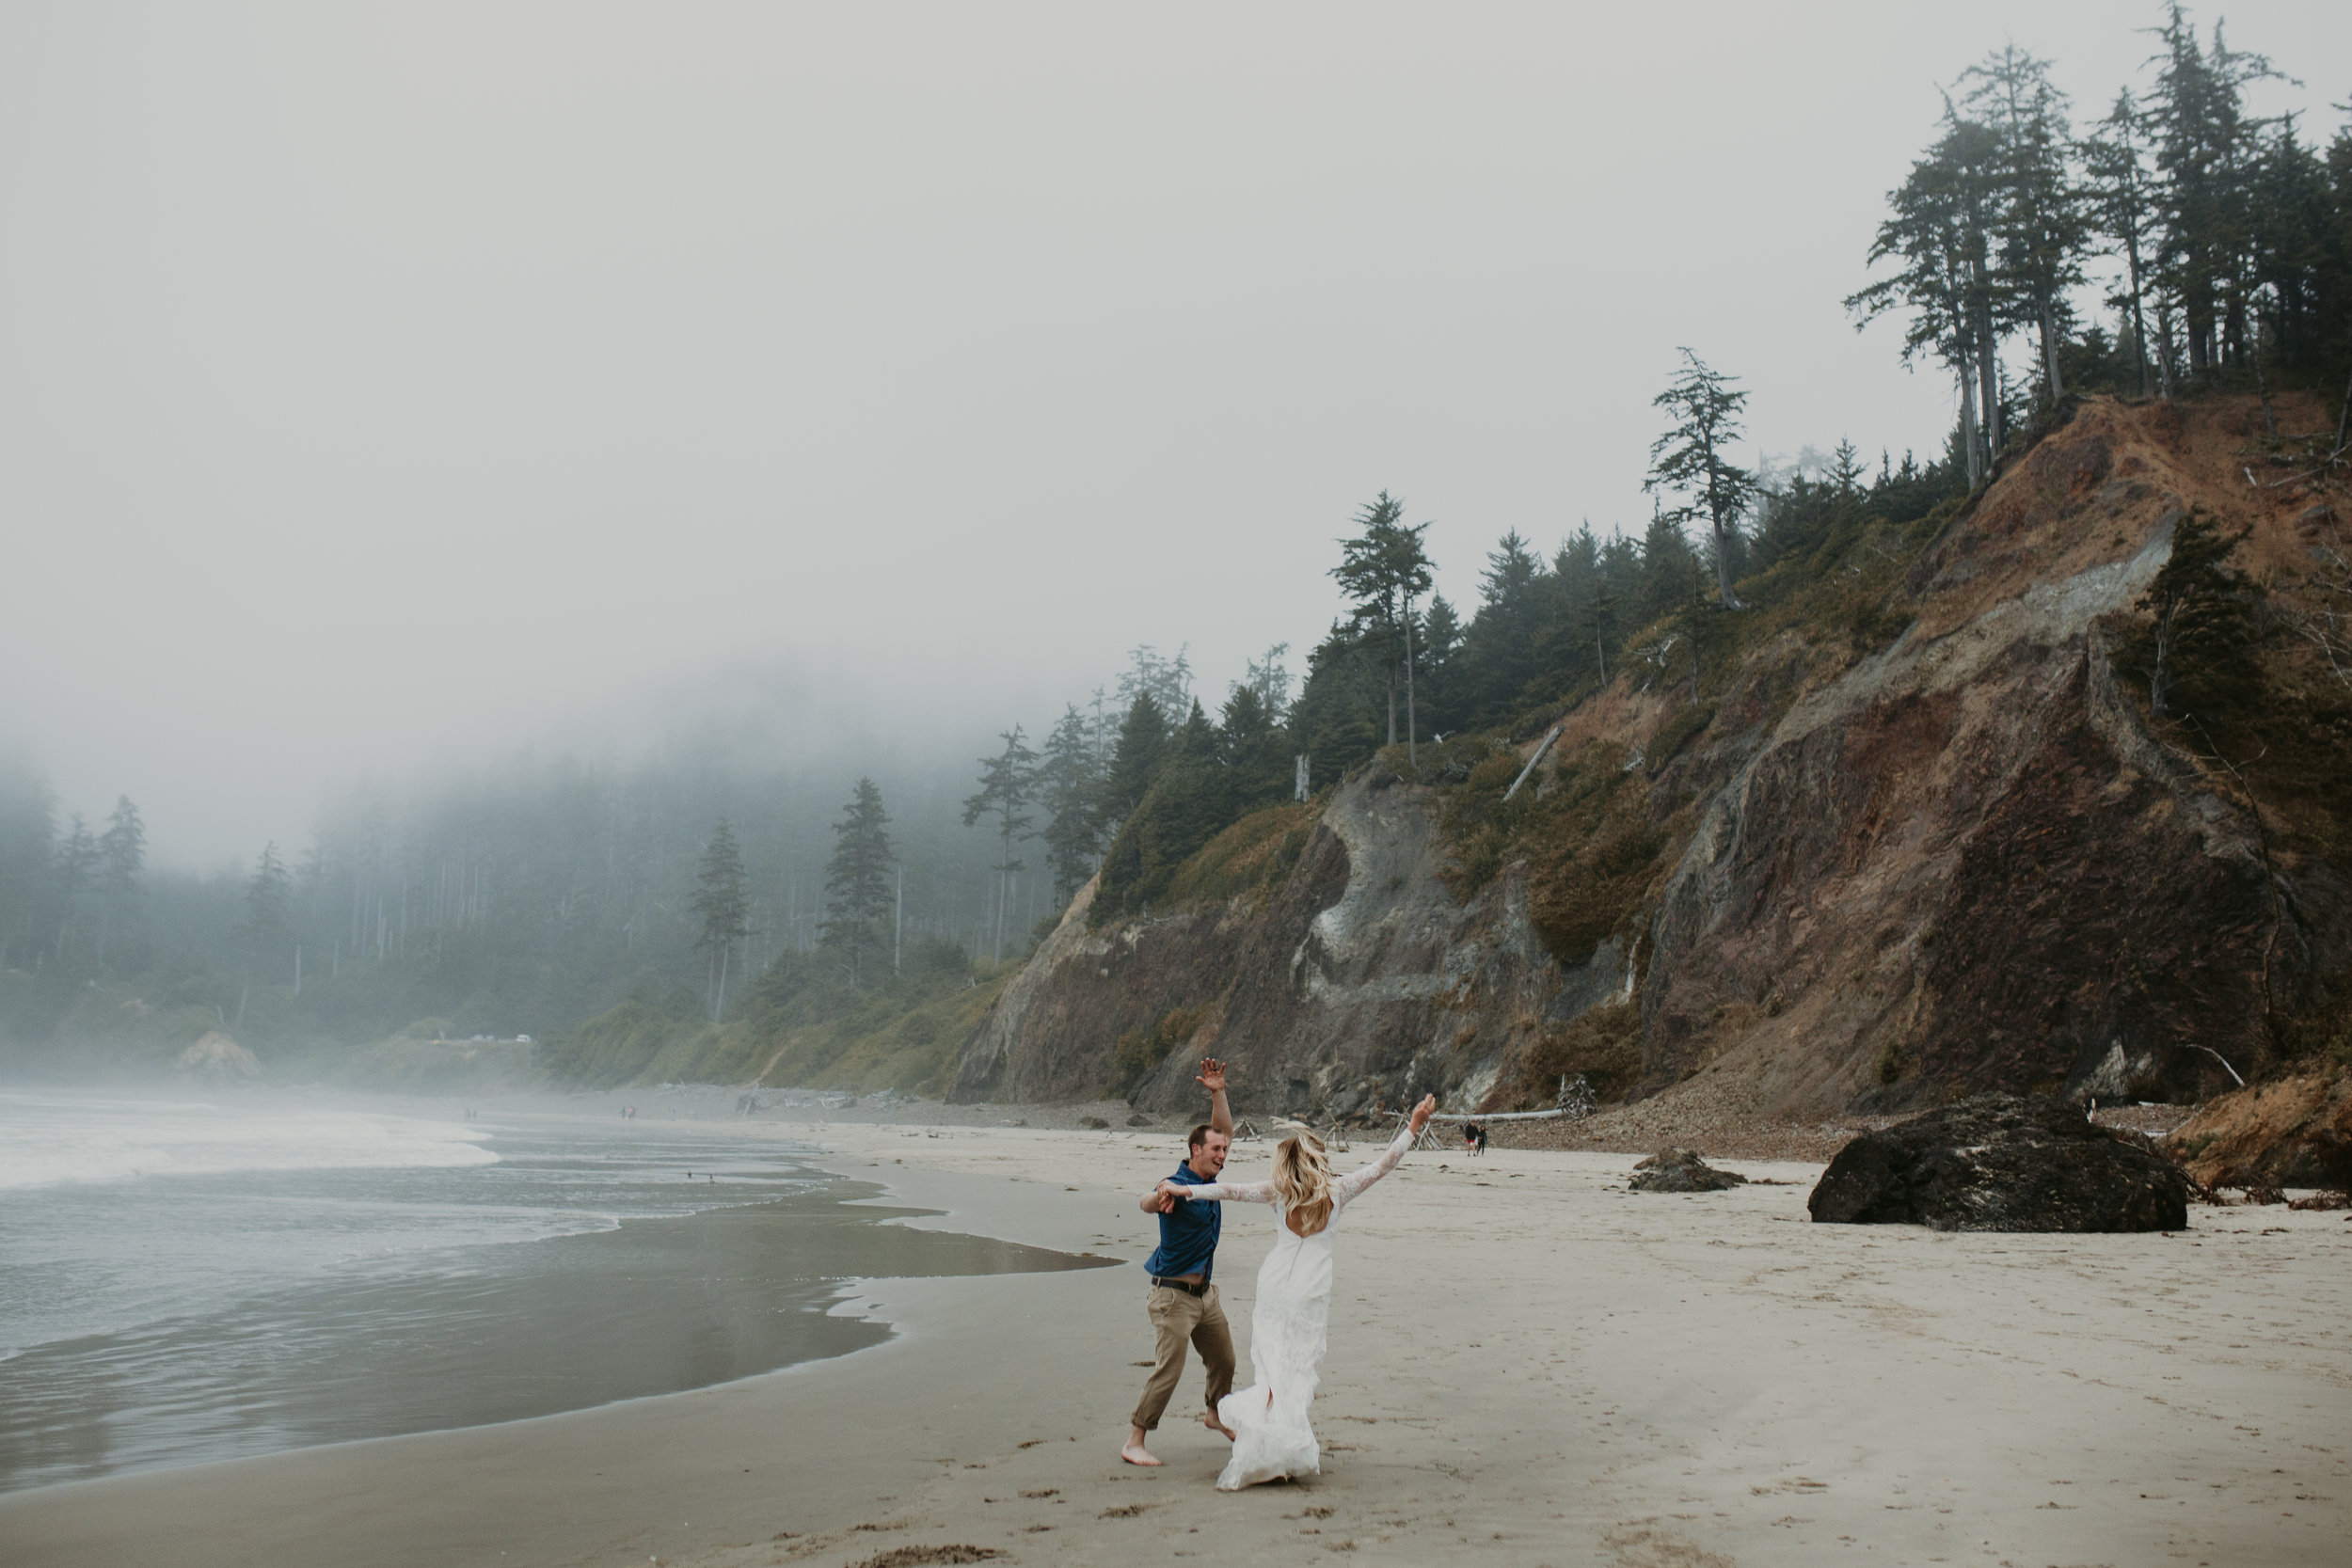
[184, 1280]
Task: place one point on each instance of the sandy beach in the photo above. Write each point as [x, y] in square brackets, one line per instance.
[1528, 1365]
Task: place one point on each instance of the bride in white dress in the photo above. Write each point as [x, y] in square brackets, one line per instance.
[1289, 1328]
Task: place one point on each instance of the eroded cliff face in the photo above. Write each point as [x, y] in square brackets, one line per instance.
[1356, 980]
[1968, 864]
[1960, 859]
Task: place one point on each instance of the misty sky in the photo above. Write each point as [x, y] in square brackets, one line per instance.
[383, 386]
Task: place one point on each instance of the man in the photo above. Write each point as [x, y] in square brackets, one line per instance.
[1183, 1298]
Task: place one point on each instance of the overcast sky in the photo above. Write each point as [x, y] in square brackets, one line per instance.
[383, 386]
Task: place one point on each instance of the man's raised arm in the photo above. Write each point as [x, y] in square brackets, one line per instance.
[1213, 1079]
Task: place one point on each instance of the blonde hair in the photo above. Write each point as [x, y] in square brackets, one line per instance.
[1302, 1180]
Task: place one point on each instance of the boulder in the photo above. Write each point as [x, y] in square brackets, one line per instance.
[2002, 1162]
[219, 1058]
[1680, 1170]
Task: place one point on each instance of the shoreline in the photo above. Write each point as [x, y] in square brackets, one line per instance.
[1528, 1366]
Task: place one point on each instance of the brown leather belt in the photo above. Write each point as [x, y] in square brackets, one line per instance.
[1187, 1287]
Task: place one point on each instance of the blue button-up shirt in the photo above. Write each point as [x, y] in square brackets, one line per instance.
[1187, 1233]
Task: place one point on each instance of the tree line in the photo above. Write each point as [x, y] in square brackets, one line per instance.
[2230, 233]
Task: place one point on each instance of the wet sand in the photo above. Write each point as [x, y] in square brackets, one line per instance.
[1528, 1366]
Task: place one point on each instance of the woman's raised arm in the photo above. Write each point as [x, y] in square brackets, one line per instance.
[1354, 1182]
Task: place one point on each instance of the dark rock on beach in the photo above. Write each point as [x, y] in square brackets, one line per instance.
[2002, 1162]
[1680, 1170]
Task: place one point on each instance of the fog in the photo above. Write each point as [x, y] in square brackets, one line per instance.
[387, 388]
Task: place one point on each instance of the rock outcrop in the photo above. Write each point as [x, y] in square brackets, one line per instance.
[1966, 863]
[1682, 1170]
[218, 1059]
[2294, 1132]
[1920, 844]
[2002, 1162]
[1357, 979]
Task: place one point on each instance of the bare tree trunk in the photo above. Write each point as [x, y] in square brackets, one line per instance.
[1723, 569]
[1989, 389]
[2140, 321]
[1392, 705]
[2159, 681]
[725, 950]
[899, 921]
[1412, 757]
[2049, 351]
[2262, 383]
[1970, 438]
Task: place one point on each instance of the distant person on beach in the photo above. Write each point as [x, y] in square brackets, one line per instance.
[1183, 1303]
[1473, 1138]
[1290, 1326]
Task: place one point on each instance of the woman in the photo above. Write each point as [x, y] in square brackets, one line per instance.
[1289, 1326]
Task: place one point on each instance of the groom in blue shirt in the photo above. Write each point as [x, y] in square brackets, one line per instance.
[1184, 1308]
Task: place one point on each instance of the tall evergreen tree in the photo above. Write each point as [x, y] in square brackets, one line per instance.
[77, 864]
[858, 883]
[2116, 187]
[2200, 645]
[1938, 230]
[723, 902]
[1383, 570]
[266, 895]
[2042, 228]
[2205, 147]
[1135, 762]
[121, 855]
[1007, 787]
[1271, 679]
[1070, 787]
[1502, 648]
[1693, 459]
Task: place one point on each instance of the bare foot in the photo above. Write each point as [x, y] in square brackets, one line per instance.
[1217, 1426]
[1135, 1453]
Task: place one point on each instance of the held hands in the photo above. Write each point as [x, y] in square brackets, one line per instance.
[1212, 1076]
[1168, 1193]
[1421, 1112]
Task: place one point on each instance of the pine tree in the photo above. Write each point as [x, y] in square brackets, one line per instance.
[1008, 785]
[121, 855]
[2200, 645]
[77, 863]
[265, 893]
[1253, 750]
[723, 902]
[2206, 148]
[1666, 566]
[1383, 570]
[2042, 229]
[1135, 762]
[1692, 460]
[857, 881]
[1167, 681]
[2116, 185]
[1271, 680]
[1070, 787]
[1938, 230]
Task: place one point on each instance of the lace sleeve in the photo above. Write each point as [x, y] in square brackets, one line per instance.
[1230, 1192]
[1354, 1182]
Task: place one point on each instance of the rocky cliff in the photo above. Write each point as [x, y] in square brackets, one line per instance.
[1920, 836]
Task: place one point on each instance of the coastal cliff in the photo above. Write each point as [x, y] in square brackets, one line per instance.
[1919, 831]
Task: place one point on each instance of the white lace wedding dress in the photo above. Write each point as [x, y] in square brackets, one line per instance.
[1289, 1329]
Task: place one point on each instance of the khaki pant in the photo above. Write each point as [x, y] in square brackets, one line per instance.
[1176, 1317]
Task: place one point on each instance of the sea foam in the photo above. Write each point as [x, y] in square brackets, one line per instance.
[49, 1142]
